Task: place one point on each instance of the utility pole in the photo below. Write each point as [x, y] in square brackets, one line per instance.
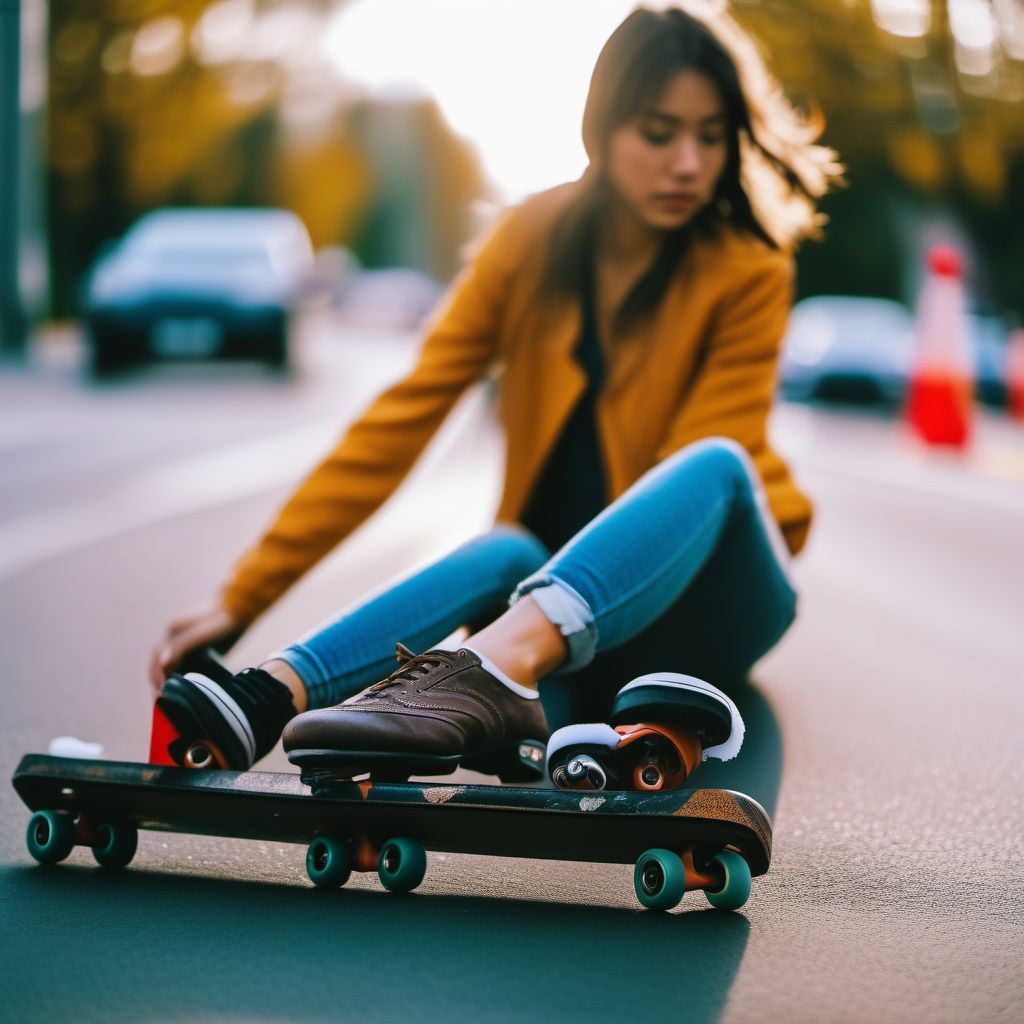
[23, 251]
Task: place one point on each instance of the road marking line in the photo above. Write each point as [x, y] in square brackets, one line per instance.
[221, 477]
[977, 491]
[217, 478]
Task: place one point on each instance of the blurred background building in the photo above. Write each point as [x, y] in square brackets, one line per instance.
[382, 122]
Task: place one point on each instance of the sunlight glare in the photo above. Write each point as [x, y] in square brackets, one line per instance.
[510, 75]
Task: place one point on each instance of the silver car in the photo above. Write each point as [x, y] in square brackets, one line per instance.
[852, 348]
[196, 284]
[847, 348]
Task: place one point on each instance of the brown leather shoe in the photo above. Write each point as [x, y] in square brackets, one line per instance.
[438, 711]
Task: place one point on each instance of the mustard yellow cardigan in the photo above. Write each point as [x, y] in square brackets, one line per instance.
[704, 365]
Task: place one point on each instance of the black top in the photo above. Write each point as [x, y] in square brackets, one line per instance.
[571, 490]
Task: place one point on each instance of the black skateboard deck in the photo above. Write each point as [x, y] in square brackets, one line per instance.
[714, 840]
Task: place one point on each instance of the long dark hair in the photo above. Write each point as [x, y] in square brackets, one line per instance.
[772, 156]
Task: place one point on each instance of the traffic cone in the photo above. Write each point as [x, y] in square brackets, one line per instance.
[940, 395]
[1015, 374]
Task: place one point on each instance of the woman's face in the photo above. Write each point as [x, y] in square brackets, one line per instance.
[664, 164]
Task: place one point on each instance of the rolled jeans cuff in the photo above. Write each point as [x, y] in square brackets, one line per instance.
[565, 608]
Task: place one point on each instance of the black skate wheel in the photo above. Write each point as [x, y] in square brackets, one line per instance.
[51, 836]
[118, 844]
[328, 862]
[402, 864]
[659, 879]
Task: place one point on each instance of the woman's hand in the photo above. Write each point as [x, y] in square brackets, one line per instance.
[209, 626]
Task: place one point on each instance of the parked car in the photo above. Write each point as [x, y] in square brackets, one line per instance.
[198, 283]
[847, 348]
[990, 340]
[852, 348]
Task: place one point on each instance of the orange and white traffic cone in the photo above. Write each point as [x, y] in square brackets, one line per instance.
[940, 396]
[1015, 374]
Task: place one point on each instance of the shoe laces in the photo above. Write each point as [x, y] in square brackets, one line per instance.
[413, 667]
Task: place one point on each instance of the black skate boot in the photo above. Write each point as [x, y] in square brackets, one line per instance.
[224, 720]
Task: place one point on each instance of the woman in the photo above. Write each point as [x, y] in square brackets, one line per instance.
[637, 315]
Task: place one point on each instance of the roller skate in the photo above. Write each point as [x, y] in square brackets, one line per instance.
[663, 726]
[208, 717]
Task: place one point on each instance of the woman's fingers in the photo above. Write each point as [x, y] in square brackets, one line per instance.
[185, 634]
[156, 672]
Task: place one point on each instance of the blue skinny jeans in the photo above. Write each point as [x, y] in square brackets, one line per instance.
[685, 572]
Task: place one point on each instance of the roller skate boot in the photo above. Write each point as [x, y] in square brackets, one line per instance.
[212, 718]
[663, 726]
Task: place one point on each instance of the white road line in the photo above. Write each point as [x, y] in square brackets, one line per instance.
[257, 467]
[217, 478]
[878, 453]
[205, 481]
[911, 477]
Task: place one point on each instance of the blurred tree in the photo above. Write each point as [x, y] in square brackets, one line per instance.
[224, 101]
[147, 111]
[925, 142]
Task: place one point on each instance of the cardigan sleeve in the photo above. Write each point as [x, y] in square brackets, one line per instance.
[734, 385]
[380, 448]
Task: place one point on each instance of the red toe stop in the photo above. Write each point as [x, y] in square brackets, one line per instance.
[162, 735]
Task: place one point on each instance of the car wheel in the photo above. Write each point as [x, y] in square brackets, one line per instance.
[277, 350]
[106, 359]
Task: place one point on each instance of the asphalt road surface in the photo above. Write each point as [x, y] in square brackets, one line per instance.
[884, 733]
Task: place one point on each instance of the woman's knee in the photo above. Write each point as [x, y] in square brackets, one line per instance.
[721, 462]
[512, 552]
[721, 455]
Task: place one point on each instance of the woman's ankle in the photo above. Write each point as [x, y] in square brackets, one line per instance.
[284, 673]
[523, 643]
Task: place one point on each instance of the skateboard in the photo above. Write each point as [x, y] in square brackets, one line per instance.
[678, 840]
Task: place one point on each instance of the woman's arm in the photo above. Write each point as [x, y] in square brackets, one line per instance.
[734, 386]
[381, 447]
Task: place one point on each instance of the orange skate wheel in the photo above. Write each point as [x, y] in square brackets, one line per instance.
[649, 775]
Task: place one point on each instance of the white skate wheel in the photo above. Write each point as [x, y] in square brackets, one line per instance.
[595, 734]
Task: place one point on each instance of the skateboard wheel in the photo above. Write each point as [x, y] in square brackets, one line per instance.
[736, 890]
[402, 864]
[51, 836]
[659, 879]
[328, 862]
[118, 844]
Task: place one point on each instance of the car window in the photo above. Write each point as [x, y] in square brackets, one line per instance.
[250, 257]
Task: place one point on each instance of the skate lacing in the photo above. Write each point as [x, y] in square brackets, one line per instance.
[414, 667]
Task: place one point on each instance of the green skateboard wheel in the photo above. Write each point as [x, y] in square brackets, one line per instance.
[659, 879]
[118, 844]
[402, 864]
[736, 890]
[328, 862]
[51, 836]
